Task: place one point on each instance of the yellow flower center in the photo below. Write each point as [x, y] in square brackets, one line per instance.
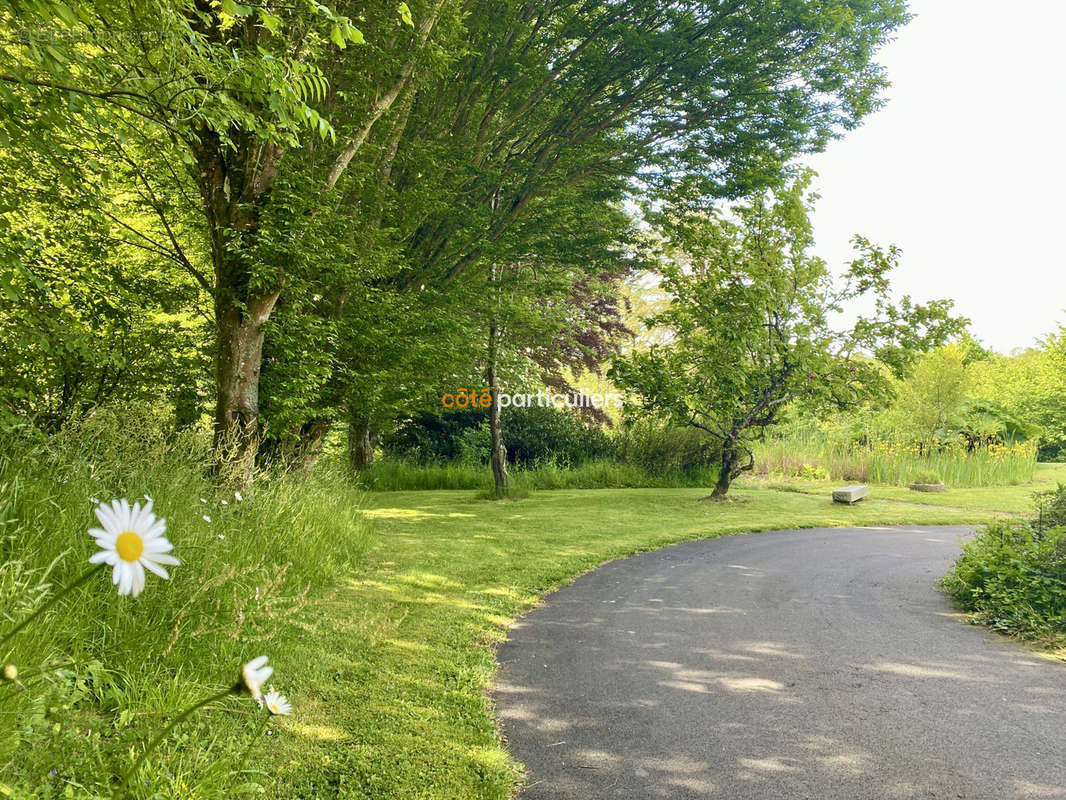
[129, 546]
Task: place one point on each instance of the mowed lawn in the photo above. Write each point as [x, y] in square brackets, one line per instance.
[1007, 499]
[395, 665]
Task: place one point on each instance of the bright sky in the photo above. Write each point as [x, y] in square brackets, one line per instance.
[965, 168]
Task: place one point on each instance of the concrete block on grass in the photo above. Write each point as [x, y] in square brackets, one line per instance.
[850, 494]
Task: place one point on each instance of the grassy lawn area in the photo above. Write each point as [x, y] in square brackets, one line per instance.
[1012, 499]
[393, 670]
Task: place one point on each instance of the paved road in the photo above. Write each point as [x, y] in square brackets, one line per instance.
[818, 664]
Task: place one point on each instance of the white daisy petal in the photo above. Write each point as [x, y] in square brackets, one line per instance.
[152, 566]
[145, 519]
[162, 558]
[137, 577]
[125, 577]
[107, 517]
[157, 529]
[104, 557]
[157, 545]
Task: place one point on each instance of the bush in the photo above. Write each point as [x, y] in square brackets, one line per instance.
[533, 435]
[927, 477]
[1012, 576]
[661, 448]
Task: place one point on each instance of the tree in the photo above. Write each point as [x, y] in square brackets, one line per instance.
[1031, 385]
[221, 93]
[754, 316]
[932, 397]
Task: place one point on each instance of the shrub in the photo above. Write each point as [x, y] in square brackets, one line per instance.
[533, 435]
[1050, 508]
[661, 448]
[927, 476]
[1012, 576]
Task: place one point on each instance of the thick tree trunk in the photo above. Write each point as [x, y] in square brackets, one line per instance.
[499, 451]
[239, 339]
[362, 440]
[235, 182]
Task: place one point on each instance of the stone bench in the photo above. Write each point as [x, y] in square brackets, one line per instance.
[850, 494]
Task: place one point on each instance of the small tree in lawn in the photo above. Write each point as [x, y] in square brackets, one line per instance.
[756, 324]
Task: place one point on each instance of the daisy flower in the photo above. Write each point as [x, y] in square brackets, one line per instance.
[237, 496]
[277, 703]
[131, 541]
[254, 674]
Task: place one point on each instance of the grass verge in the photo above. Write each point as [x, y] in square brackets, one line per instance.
[1014, 499]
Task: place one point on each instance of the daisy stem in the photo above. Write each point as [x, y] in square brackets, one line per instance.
[166, 731]
[51, 601]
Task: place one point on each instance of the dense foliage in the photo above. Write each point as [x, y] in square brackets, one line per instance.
[1012, 576]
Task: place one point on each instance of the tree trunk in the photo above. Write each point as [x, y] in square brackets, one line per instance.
[362, 439]
[309, 443]
[730, 469]
[235, 181]
[239, 339]
[726, 473]
[499, 450]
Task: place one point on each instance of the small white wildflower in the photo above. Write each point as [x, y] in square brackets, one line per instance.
[221, 536]
[224, 502]
[206, 518]
[277, 703]
[203, 500]
[237, 496]
[254, 674]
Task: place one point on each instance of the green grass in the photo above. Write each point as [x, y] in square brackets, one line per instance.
[1015, 499]
[248, 581]
[381, 622]
[391, 475]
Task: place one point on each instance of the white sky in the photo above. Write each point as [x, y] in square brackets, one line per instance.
[964, 169]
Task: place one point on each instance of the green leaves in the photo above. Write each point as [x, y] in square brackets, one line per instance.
[750, 319]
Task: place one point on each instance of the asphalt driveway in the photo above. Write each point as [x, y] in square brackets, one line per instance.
[796, 664]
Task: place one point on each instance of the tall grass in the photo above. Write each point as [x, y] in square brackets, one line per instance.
[244, 583]
[397, 475]
[895, 463]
